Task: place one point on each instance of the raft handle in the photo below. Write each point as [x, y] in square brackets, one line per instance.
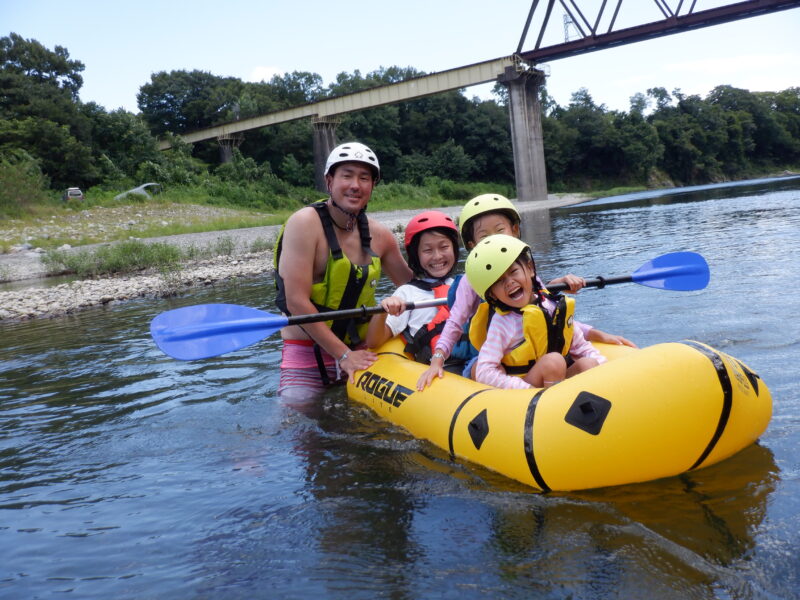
[588, 412]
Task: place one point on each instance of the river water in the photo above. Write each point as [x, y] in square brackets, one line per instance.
[126, 474]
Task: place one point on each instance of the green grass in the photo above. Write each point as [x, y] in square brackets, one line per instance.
[615, 191]
[124, 257]
[222, 224]
[134, 256]
[261, 245]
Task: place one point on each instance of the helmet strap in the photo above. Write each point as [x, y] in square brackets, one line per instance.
[352, 217]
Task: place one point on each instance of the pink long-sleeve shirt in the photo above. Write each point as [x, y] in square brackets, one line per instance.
[504, 334]
[464, 306]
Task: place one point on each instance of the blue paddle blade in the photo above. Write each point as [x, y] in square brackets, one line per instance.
[680, 271]
[206, 330]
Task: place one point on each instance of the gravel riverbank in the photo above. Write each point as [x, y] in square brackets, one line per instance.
[26, 297]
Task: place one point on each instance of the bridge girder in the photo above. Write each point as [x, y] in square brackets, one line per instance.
[674, 21]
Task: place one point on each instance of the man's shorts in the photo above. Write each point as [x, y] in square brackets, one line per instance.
[300, 373]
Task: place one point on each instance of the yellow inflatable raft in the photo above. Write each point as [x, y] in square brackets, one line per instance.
[645, 414]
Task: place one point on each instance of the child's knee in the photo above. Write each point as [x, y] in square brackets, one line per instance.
[549, 369]
[581, 365]
[554, 362]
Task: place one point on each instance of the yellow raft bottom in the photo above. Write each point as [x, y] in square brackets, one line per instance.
[646, 414]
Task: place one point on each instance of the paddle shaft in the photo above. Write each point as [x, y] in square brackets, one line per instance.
[361, 311]
[598, 282]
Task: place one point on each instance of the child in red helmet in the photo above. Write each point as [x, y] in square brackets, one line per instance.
[431, 243]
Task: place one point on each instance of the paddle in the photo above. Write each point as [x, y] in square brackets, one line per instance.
[677, 271]
[206, 330]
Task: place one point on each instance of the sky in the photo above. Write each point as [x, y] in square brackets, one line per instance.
[122, 43]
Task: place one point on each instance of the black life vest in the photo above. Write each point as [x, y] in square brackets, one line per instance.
[423, 342]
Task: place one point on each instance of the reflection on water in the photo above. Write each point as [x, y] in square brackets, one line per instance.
[124, 473]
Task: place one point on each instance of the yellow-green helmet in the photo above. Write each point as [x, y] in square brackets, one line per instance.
[483, 204]
[490, 258]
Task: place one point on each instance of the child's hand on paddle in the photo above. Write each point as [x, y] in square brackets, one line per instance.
[393, 305]
[573, 282]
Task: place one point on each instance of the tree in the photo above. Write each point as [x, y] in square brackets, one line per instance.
[122, 138]
[486, 137]
[451, 162]
[39, 110]
[64, 159]
[181, 101]
[661, 97]
[23, 183]
[296, 88]
[32, 60]
[296, 173]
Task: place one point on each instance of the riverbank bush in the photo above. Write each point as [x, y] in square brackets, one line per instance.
[132, 256]
[123, 257]
[22, 184]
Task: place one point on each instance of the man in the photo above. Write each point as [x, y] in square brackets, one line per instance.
[329, 256]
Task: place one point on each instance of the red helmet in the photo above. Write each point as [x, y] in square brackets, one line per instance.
[430, 219]
[426, 221]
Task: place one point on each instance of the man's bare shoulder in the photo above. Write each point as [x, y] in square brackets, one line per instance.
[303, 231]
[303, 217]
[376, 228]
[384, 242]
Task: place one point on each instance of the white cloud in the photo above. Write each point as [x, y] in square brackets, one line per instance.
[262, 73]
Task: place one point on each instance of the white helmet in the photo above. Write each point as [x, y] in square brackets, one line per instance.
[353, 152]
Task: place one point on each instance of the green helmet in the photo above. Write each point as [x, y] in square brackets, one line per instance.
[483, 204]
[488, 260]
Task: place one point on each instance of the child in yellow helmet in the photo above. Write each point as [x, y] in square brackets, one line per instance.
[529, 340]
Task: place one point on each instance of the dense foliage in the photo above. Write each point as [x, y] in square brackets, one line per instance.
[49, 137]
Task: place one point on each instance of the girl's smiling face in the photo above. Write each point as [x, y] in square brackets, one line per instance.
[515, 286]
[490, 224]
[436, 254]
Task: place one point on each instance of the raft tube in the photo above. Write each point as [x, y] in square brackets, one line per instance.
[645, 414]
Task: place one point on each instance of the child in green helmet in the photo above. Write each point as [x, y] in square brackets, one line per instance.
[486, 215]
[526, 335]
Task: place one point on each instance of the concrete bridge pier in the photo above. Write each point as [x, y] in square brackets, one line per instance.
[526, 131]
[227, 142]
[324, 142]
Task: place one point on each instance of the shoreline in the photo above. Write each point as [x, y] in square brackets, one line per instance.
[29, 299]
[66, 298]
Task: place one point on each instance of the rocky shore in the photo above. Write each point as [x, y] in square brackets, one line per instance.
[69, 297]
[29, 299]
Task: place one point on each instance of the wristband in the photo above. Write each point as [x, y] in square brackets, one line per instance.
[438, 354]
[344, 356]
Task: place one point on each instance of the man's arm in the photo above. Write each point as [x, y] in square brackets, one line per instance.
[296, 267]
[385, 246]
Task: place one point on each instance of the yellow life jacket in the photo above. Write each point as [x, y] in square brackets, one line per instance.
[344, 285]
[543, 333]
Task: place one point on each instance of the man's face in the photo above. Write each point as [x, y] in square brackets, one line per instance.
[351, 185]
